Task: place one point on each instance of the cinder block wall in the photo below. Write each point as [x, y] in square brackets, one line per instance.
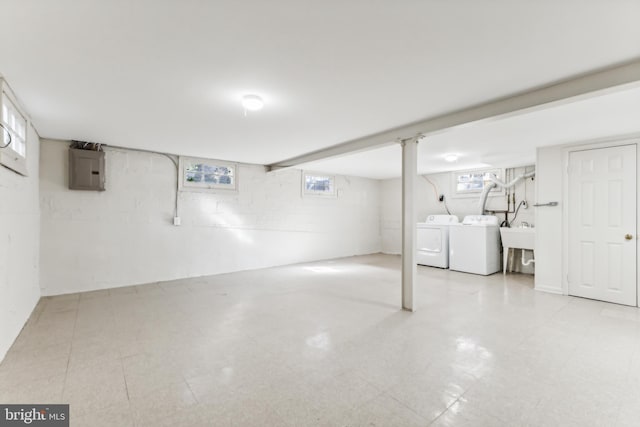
[19, 245]
[125, 236]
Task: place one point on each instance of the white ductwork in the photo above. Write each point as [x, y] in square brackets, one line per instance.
[495, 182]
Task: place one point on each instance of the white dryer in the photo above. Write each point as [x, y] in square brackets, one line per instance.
[474, 245]
[433, 240]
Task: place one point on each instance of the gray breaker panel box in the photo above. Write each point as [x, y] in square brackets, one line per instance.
[86, 170]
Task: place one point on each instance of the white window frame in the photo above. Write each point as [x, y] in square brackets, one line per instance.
[9, 157]
[312, 193]
[185, 185]
[496, 191]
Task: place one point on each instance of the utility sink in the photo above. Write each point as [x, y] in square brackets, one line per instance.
[516, 238]
[521, 238]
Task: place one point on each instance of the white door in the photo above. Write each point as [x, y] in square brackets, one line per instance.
[602, 224]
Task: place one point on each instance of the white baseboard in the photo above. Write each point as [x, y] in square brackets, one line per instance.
[549, 289]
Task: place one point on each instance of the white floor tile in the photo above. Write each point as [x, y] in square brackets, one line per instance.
[326, 344]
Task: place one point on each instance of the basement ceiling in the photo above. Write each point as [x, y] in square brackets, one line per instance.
[505, 142]
[168, 75]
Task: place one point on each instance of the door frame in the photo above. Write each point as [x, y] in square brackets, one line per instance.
[565, 198]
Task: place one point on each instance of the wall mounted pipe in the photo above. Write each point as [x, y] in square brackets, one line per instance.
[496, 182]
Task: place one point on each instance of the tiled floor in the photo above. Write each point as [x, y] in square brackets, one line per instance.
[324, 344]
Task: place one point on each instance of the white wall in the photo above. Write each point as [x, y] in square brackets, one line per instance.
[549, 188]
[19, 242]
[125, 236]
[391, 215]
[391, 195]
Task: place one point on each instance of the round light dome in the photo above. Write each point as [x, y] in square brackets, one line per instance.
[451, 157]
[252, 102]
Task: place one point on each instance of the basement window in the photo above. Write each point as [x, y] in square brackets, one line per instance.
[315, 184]
[472, 183]
[207, 175]
[13, 133]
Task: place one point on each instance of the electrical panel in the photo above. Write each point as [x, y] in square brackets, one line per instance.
[86, 170]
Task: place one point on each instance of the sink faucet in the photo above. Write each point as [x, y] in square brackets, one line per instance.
[524, 224]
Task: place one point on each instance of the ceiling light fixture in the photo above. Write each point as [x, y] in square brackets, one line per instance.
[252, 102]
[451, 157]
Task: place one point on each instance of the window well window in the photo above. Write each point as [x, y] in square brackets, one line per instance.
[203, 174]
[314, 184]
[471, 183]
[13, 133]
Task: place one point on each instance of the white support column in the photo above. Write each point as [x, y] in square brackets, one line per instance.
[409, 218]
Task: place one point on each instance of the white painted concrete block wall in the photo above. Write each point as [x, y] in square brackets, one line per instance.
[125, 236]
[391, 219]
[19, 243]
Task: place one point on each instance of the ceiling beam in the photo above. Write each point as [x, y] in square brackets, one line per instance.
[564, 91]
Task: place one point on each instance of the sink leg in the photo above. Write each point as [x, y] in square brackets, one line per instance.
[505, 259]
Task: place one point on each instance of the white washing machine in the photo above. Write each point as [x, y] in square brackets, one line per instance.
[474, 245]
[433, 240]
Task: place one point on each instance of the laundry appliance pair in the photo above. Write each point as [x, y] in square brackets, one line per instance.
[471, 246]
